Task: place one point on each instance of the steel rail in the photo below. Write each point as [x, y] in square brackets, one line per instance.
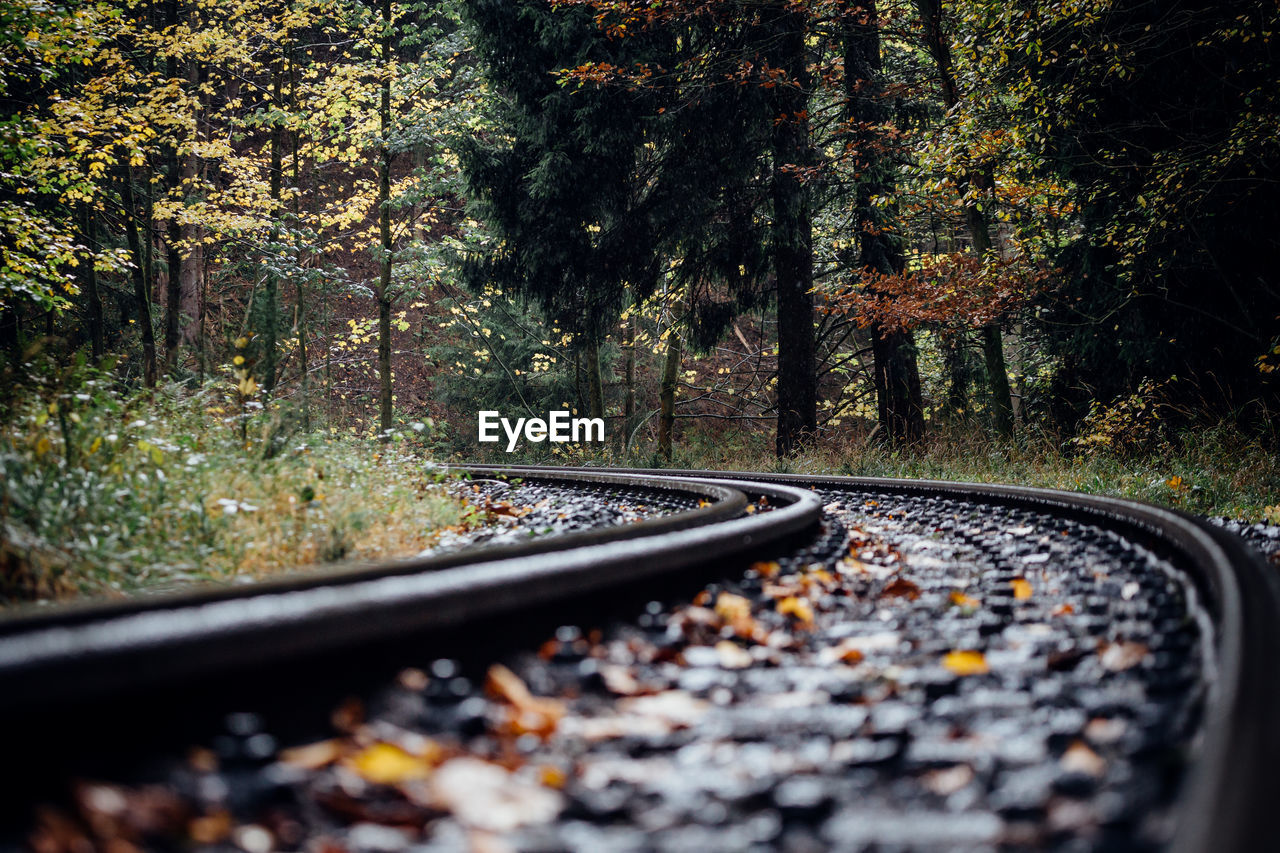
[110, 649]
[1225, 799]
[1233, 783]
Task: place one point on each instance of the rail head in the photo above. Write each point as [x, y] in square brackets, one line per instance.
[109, 651]
[1233, 781]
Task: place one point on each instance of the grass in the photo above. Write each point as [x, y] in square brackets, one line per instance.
[104, 492]
[1208, 470]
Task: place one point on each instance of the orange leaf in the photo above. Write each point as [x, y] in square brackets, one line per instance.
[959, 599]
[1021, 588]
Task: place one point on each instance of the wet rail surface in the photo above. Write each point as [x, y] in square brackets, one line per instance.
[905, 666]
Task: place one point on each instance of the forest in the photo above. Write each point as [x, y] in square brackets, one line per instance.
[263, 263]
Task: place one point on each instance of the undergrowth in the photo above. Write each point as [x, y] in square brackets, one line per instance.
[1214, 470]
[105, 491]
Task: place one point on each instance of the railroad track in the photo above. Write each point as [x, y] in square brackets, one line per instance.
[961, 666]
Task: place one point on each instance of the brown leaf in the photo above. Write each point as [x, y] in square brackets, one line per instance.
[901, 587]
[531, 714]
[210, 829]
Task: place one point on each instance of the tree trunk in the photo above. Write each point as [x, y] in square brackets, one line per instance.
[89, 218]
[956, 358]
[595, 385]
[173, 285]
[141, 281]
[10, 343]
[269, 310]
[976, 218]
[384, 222]
[629, 370]
[192, 264]
[667, 395]
[792, 242]
[899, 405]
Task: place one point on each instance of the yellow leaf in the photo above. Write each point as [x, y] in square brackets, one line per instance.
[959, 599]
[966, 663]
[1021, 589]
[42, 446]
[388, 764]
[797, 607]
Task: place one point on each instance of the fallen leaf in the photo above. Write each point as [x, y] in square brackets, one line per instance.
[1118, 657]
[959, 599]
[313, 756]
[1064, 610]
[552, 776]
[618, 679]
[530, 714]
[766, 568]
[901, 587]
[965, 663]
[1021, 588]
[676, 708]
[388, 764]
[210, 829]
[949, 780]
[1079, 758]
[732, 655]
[846, 651]
[736, 612]
[797, 608]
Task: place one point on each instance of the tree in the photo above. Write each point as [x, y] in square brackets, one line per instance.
[1161, 116]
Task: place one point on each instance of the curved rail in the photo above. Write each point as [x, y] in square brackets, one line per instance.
[1226, 797]
[109, 648]
[1233, 784]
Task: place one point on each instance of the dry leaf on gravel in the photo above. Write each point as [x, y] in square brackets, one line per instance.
[674, 707]
[529, 714]
[1079, 758]
[1118, 657]
[796, 607]
[313, 756]
[901, 587]
[1021, 588]
[388, 764]
[966, 663]
[947, 781]
[736, 612]
[733, 656]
